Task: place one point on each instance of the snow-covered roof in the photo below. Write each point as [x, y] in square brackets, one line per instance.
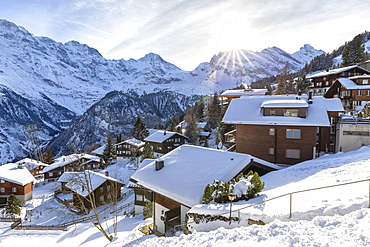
[161, 135]
[31, 164]
[284, 104]
[88, 179]
[247, 110]
[349, 84]
[245, 92]
[145, 162]
[188, 169]
[11, 173]
[67, 176]
[133, 142]
[65, 160]
[99, 150]
[332, 72]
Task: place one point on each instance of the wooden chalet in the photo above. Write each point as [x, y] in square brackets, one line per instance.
[322, 81]
[176, 181]
[70, 163]
[354, 92]
[284, 129]
[163, 141]
[129, 148]
[35, 167]
[91, 186]
[16, 180]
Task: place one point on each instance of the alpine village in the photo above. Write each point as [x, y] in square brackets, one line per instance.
[196, 162]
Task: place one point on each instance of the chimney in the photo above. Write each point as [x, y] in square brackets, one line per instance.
[159, 164]
[106, 173]
[164, 133]
[310, 98]
[21, 166]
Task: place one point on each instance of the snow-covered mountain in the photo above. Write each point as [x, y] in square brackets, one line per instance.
[63, 81]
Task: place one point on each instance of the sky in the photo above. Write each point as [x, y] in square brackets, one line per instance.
[189, 32]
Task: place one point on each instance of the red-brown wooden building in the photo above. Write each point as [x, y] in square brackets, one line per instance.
[284, 129]
[17, 180]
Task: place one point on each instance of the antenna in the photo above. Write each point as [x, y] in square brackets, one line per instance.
[33, 142]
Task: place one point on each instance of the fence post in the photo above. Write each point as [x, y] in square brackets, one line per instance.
[290, 213]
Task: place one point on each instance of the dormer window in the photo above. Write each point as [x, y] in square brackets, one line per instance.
[291, 112]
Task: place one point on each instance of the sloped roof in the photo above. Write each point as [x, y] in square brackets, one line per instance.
[284, 103]
[67, 176]
[31, 164]
[349, 84]
[245, 92]
[134, 142]
[188, 169]
[334, 71]
[247, 110]
[65, 160]
[88, 179]
[161, 135]
[10, 172]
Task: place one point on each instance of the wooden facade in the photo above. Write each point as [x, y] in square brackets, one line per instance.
[352, 97]
[107, 192]
[169, 144]
[323, 81]
[273, 144]
[76, 165]
[125, 149]
[22, 192]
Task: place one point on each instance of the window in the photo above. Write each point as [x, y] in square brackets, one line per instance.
[139, 197]
[14, 189]
[292, 153]
[272, 112]
[293, 133]
[356, 133]
[359, 93]
[271, 151]
[50, 174]
[291, 112]
[2, 181]
[101, 189]
[367, 92]
[2, 189]
[271, 131]
[365, 81]
[101, 198]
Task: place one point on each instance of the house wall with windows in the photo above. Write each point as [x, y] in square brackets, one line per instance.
[23, 193]
[352, 135]
[281, 144]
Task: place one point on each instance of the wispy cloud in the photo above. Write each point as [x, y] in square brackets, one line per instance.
[187, 32]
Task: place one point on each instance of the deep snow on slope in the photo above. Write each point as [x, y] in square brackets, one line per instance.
[345, 225]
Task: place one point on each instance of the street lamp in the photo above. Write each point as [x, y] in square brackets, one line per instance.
[231, 198]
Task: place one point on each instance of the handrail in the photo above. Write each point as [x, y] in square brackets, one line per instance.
[290, 194]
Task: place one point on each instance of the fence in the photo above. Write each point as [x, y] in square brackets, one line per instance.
[291, 199]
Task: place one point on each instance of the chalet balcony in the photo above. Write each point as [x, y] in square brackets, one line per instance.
[230, 137]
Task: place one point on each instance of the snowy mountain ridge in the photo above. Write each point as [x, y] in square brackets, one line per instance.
[62, 81]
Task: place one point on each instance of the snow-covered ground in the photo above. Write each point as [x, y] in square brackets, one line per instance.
[337, 216]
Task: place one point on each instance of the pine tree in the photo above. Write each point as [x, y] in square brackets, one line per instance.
[214, 111]
[199, 109]
[191, 130]
[13, 205]
[257, 184]
[48, 156]
[148, 152]
[354, 52]
[140, 131]
[208, 194]
[224, 128]
[109, 151]
[285, 81]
